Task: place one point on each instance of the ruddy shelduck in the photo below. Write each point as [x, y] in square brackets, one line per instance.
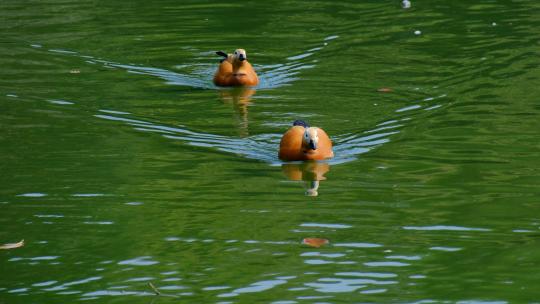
[235, 70]
[302, 142]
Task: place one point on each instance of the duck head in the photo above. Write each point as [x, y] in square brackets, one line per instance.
[310, 140]
[239, 55]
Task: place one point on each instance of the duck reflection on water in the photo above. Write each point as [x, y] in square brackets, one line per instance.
[240, 99]
[310, 172]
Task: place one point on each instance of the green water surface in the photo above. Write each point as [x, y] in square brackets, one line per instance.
[122, 164]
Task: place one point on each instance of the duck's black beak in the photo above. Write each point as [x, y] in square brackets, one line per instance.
[241, 57]
[312, 145]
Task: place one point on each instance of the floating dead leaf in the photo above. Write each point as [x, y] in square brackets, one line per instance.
[315, 242]
[75, 71]
[12, 245]
[385, 90]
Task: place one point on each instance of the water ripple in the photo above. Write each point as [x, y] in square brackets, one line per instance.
[386, 264]
[445, 248]
[357, 245]
[444, 228]
[33, 194]
[337, 285]
[260, 286]
[261, 147]
[381, 275]
[139, 261]
[335, 226]
[200, 75]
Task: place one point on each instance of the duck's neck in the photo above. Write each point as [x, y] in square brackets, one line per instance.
[238, 65]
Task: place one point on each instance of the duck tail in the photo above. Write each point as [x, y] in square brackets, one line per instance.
[222, 54]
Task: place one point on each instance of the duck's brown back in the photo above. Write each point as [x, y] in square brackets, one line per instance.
[290, 147]
[223, 73]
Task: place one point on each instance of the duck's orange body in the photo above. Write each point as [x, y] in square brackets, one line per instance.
[295, 144]
[235, 70]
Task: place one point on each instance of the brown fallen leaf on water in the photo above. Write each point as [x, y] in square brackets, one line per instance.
[385, 90]
[12, 245]
[315, 242]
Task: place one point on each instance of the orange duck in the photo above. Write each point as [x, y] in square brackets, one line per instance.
[235, 70]
[302, 142]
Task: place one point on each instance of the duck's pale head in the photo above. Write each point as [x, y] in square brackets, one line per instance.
[310, 139]
[239, 55]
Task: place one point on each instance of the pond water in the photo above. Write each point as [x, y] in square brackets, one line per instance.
[123, 165]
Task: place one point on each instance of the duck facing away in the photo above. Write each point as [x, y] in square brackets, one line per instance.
[302, 142]
[235, 70]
